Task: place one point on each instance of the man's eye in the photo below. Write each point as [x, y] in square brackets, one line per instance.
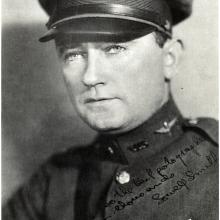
[114, 49]
[73, 56]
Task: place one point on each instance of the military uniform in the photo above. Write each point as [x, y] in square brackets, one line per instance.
[165, 169]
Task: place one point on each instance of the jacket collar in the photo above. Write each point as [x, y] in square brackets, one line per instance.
[151, 137]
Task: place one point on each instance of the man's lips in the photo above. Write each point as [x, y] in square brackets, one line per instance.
[97, 100]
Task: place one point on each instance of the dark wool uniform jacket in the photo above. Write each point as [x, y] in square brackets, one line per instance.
[166, 169]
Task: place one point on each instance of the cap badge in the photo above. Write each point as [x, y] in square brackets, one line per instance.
[167, 25]
[167, 126]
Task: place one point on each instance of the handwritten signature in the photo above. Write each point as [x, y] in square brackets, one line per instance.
[189, 176]
[179, 184]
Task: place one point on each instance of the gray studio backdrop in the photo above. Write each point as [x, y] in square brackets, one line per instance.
[37, 117]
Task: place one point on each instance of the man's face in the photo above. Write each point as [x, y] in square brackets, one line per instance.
[114, 86]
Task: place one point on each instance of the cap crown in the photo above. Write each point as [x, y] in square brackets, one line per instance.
[180, 9]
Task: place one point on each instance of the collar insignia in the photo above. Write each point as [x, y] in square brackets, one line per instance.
[138, 146]
[167, 126]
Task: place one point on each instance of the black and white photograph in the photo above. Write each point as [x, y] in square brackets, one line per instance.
[110, 110]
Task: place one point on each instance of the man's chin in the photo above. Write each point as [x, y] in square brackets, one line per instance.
[105, 126]
[110, 120]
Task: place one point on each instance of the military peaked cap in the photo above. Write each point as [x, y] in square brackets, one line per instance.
[113, 18]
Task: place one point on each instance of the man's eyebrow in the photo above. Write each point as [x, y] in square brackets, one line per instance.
[63, 48]
[125, 43]
[69, 45]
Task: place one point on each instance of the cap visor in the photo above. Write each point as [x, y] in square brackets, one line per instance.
[99, 29]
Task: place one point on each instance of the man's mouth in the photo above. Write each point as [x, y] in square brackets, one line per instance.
[98, 100]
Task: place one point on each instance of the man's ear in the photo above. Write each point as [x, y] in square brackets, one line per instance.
[172, 53]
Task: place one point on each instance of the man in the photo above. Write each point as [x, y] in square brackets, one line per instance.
[118, 58]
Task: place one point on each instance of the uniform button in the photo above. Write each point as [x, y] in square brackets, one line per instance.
[110, 150]
[123, 177]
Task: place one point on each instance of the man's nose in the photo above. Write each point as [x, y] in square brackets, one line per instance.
[93, 70]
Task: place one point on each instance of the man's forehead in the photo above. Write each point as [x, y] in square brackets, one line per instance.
[69, 41]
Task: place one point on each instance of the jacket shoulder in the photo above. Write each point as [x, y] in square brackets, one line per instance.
[71, 157]
[206, 127]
